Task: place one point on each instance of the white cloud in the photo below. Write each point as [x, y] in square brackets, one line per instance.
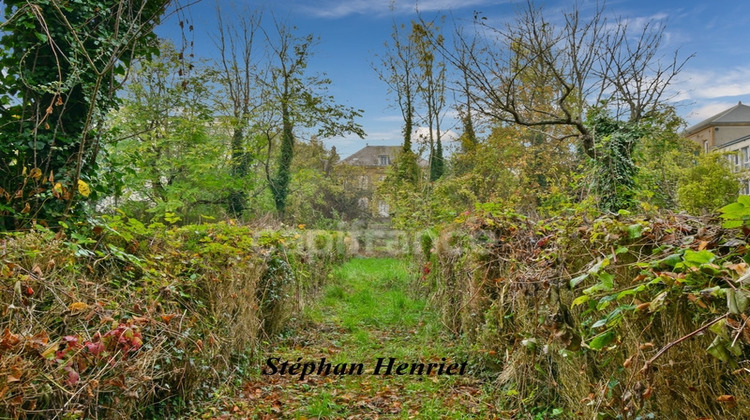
[422, 135]
[341, 8]
[709, 110]
[713, 84]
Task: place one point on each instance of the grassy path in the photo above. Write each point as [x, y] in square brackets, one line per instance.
[366, 312]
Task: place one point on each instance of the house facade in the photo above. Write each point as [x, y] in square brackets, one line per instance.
[373, 162]
[727, 131]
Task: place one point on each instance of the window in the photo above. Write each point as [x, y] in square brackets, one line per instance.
[734, 158]
[745, 156]
[383, 208]
[385, 160]
[364, 182]
[705, 146]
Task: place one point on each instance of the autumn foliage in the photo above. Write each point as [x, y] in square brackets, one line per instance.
[615, 316]
[127, 321]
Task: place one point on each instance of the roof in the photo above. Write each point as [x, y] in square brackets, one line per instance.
[370, 156]
[734, 142]
[738, 114]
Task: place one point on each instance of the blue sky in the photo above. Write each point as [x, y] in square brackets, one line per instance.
[353, 32]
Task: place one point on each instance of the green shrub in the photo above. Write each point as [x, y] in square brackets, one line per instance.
[121, 320]
[708, 185]
[616, 317]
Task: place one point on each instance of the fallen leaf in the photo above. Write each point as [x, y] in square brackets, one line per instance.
[728, 399]
[167, 318]
[78, 306]
[646, 346]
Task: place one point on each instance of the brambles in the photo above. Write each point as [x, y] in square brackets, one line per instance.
[611, 311]
[120, 319]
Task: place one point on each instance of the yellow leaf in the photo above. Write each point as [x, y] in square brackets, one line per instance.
[78, 306]
[57, 190]
[36, 173]
[83, 188]
[50, 352]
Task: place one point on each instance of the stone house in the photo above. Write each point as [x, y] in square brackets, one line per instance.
[372, 162]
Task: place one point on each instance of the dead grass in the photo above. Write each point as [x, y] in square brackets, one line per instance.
[127, 324]
[501, 283]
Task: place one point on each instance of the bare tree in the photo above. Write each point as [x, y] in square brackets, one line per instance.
[431, 88]
[577, 63]
[238, 71]
[299, 100]
[398, 69]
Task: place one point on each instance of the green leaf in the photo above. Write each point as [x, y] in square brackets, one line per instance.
[736, 301]
[698, 257]
[576, 281]
[580, 300]
[744, 200]
[723, 350]
[718, 350]
[733, 210]
[602, 340]
[670, 261]
[600, 323]
[604, 302]
[608, 280]
[598, 266]
[730, 224]
[630, 292]
[635, 231]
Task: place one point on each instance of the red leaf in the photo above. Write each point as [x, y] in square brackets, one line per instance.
[94, 348]
[73, 376]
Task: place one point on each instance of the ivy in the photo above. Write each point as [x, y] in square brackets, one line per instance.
[63, 63]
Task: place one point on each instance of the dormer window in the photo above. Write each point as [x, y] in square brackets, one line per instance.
[385, 160]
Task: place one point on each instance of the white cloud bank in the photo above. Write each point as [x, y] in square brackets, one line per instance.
[713, 84]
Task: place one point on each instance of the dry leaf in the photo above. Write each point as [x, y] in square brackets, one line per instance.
[728, 399]
[78, 306]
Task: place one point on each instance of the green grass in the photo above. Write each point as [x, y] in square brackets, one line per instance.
[370, 309]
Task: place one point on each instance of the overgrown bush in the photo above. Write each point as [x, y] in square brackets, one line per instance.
[615, 317]
[132, 321]
[708, 185]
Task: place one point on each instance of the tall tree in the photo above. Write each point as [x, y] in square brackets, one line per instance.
[398, 69]
[238, 72]
[300, 100]
[162, 153]
[431, 88]
[62, 63]
[590, 61]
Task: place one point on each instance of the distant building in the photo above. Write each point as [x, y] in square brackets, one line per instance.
[374, 161]
[727, 131]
